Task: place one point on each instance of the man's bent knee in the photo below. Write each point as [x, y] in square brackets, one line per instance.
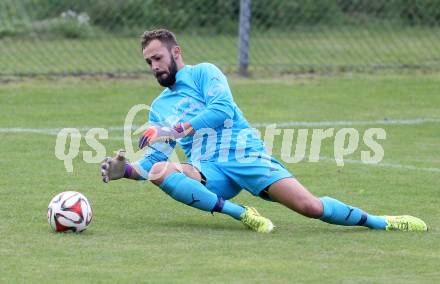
[159, 171]
[313, 208]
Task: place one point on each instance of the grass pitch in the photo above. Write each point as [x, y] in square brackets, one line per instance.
[139, 234]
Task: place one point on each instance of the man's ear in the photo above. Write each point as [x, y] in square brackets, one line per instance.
[176, 52]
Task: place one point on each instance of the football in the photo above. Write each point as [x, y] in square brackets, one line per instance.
[69, 211]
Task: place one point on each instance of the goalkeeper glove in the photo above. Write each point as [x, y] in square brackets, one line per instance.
[158, 133]
[115, 168]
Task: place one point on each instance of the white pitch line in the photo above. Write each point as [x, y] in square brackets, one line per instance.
[350, 122]
[50, 131]
[416, 121]
[385, 165]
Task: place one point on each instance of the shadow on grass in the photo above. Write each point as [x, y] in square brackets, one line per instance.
[232, 226]
[180, 225]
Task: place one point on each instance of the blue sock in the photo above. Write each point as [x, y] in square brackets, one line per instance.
[194, 194]
[336, 212]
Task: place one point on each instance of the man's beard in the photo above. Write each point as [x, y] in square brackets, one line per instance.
[169, 80]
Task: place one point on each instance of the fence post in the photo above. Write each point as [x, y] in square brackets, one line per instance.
[243, 31]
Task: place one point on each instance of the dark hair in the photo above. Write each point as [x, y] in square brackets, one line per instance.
[163, 35]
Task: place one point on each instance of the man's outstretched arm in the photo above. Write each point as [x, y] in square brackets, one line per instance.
[119, 167]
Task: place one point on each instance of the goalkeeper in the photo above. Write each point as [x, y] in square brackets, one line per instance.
[197, 111]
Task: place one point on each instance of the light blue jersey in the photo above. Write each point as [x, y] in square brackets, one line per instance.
[202, 97]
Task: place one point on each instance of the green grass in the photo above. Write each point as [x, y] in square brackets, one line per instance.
[139, 234]
[276, 51]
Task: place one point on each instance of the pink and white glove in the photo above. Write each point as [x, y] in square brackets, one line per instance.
[158, 133]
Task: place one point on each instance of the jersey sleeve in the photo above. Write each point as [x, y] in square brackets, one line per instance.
[158, 152]
[217, 95]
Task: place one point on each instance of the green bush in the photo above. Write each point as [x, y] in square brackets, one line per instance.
[290, 14]
[409, 12]
[58, 27]
[216, 15]
[209, 16]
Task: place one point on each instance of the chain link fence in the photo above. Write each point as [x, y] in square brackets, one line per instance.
[63, 37]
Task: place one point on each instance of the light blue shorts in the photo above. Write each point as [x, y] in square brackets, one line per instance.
[227, 179]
